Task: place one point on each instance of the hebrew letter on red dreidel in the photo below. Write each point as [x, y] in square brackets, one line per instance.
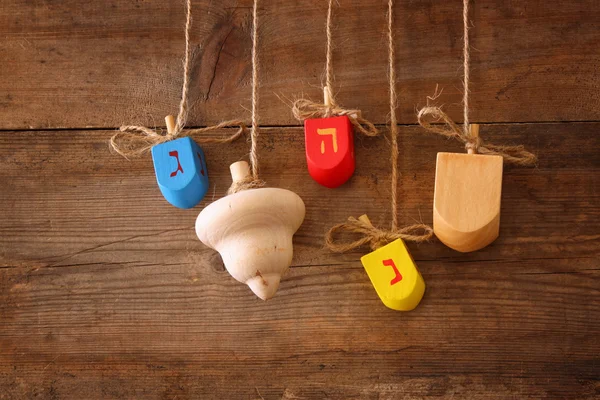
[329, 150]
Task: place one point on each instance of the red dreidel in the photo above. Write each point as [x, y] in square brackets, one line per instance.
[329, 148]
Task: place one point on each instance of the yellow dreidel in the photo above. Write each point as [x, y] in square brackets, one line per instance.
[394, 275]
[466, 200]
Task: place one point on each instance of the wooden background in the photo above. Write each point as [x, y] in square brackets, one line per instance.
[106, 293]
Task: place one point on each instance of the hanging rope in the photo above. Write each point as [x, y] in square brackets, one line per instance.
[512, 154]
[135, 140]
[372, 236]
[306, 109]
[252, 181]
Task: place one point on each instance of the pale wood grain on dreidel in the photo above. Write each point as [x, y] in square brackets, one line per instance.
[252, 230]
[466, 204]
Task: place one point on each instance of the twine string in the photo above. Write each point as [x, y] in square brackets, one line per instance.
[466, 68]
[183, 109]
[329, 60]
[373, 236]
[255, 83]
[369, 234]
[430, 115]
[135, 140]
[252, 181]
[393, 118]
[306, 109]
[516, 155]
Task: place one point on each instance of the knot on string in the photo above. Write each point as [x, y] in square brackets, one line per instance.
[473, 144]
[516, 155]
[135, 140]
[247, 183]
[243, 178]
[373, 236]
[306, 109]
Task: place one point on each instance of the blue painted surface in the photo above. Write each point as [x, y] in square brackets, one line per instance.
[181, 173]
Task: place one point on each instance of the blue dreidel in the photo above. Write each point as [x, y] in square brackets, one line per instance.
[180, 169]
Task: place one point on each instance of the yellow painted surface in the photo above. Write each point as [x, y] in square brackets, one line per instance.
[333, 133]
[395, 276]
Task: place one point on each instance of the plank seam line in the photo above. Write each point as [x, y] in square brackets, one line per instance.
[549, 122]
[348, 264]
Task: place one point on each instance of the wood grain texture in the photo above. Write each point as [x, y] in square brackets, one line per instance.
[467, 200]
[98, 302]
[118, 61]
[106, 292]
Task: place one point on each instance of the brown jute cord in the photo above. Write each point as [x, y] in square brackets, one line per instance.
[306, 109]
[135, 140]
[252, 181]
[516, 155]
[512, 154]
[376, 237]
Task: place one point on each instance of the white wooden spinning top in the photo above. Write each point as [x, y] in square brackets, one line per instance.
[252, 230]
[466, 203]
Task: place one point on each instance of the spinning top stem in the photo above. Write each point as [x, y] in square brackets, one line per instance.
[170, 121]
[327, 96]
[240, 171]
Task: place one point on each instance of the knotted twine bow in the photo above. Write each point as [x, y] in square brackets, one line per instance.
[135, 140]
[371, 235]
[516, 155]
[306, 109]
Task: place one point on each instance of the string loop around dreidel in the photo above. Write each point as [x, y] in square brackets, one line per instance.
[306, 109]
[469, 134]
[371, 235]
[135, 140]
[512, 154]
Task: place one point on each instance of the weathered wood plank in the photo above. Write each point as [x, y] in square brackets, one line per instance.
[102, 64]
[97, 300]
[495, 330]
[68, 200]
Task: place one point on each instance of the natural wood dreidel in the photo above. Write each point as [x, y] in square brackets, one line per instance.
[252, 230]
[180, 169]
[329, 146]
[394, 275]
[466, 204]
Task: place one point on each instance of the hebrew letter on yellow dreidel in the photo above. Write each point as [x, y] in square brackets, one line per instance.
[394, 275]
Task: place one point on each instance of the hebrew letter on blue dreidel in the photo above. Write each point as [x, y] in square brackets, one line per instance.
[180, 169]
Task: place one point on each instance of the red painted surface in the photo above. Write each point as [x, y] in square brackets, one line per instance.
[329, 150]
[398, 277]
[201, 163]
[175, 154]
